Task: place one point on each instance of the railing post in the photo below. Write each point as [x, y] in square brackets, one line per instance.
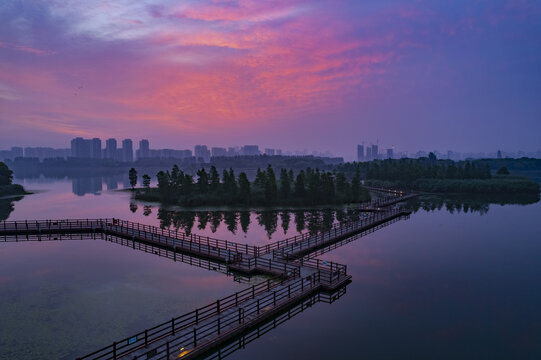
[114, 350]
[146, 337]
[194, 338]
[173, 326]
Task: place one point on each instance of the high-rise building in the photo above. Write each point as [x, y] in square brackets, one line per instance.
[110, 149]
[368, 153]
[389, 153]
[279, 152]
[270, 152]
[202, 153]
[96, 148]
[360, 153]
[81, 148]
[499, 154]
[219, 151]
[250, 150]
[375, 152]
[127, 150]
[144, 149]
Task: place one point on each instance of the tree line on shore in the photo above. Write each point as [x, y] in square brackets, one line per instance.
[440, 176]
[307, 187]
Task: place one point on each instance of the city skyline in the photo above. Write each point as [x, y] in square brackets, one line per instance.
[126, 152]
[417, 75]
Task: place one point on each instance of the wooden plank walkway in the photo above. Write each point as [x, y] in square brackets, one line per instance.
[296, 275]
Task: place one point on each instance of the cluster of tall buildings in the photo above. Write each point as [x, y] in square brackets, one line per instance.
[371, 152]
[92, 149]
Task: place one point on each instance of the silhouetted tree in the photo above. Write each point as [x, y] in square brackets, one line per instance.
[214, 179]
[244, 188]
[146, 181]
[285, 185]
[300, 190]
[6, 175]
[202, 181]
[270, 185]
[133, 177]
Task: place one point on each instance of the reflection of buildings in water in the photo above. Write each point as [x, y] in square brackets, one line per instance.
[87, 185]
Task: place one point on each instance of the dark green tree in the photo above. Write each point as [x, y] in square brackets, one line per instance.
[285, 185]
[164, 185]
[202, 181]
[502, 171]
[271, 188]
[146, 181]
[6, 175]
[260, 179]
[300, 190]
[214, 179]
[244, 189]
[133, 177]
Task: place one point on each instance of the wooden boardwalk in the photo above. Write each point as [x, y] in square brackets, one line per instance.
[296, 276]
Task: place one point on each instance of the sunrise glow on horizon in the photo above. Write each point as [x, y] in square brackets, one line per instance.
[288, 74]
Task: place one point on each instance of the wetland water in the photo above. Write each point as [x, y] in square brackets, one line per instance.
[459, 279]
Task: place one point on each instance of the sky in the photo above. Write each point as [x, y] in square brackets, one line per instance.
[321, 75]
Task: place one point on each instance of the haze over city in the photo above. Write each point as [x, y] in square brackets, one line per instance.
[322, 75]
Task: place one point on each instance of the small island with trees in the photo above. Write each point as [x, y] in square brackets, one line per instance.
[307, 187]
[7, 187]
[342, 185]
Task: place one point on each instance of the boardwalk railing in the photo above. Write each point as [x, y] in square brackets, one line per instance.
[199, 337]
[270, 266]
[177, 324]
[284, 316]
[228, 246]
[306, 243]
[37, 226]
[192, 330]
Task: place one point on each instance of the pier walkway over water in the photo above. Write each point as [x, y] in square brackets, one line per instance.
[295, 276]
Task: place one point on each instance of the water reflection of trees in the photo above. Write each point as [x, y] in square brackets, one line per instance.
[470, 203]
[317, 220]
[236, 221]
[7, 206]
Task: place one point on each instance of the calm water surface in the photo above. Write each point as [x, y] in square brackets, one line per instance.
[439, 285]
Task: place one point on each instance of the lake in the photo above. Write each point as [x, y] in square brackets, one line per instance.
[458, 279]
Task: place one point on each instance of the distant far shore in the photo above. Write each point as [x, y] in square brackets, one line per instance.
[495, 185]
